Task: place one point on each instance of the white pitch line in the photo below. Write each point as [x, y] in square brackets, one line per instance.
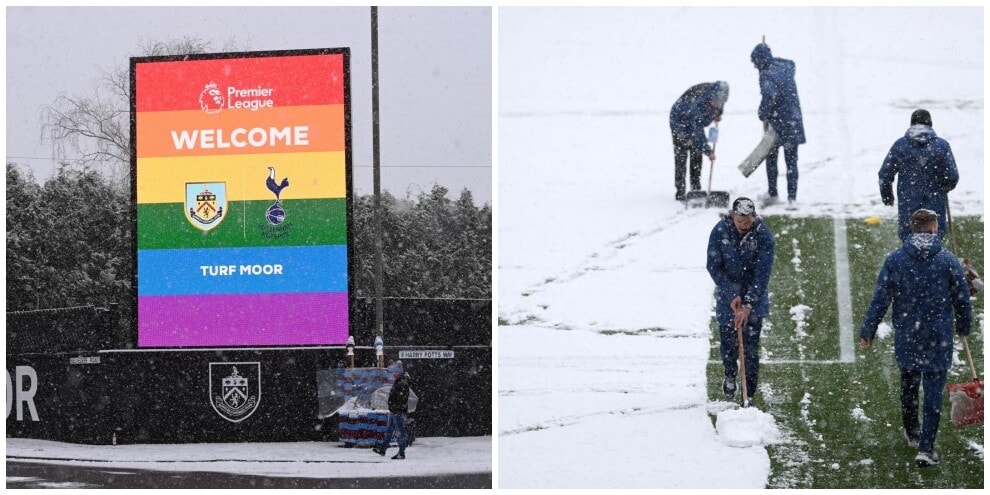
[790, 361]
[847, 353]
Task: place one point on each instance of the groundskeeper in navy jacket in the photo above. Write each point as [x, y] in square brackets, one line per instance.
[740, 265]
[917, 278]
[925, 170]
[693, 111]
[779, 105]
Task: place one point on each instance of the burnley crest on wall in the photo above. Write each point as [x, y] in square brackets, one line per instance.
[235, 389]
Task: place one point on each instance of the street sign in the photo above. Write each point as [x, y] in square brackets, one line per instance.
[430, 354]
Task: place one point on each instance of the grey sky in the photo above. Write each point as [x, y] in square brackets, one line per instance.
[435, 76]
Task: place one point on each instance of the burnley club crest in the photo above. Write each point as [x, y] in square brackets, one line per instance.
[206, 203]
[235, 389]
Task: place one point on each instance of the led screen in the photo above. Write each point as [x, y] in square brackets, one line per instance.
[241, 177]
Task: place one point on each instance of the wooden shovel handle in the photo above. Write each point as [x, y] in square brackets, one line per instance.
[952, 228]
[742, 365]
[969, 357]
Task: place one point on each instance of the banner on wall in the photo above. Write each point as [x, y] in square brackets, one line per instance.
[241, 176]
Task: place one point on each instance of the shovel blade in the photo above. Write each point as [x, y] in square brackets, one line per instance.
[717, 199]
[967, 403]
[696, 199]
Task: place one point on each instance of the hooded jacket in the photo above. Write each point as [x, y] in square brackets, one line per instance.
[925, 170]
[779, 105]
[692, 112]
[398, 397]
[740, 265]
[927, 287]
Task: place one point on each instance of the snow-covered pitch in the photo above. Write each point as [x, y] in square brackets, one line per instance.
[604, 302]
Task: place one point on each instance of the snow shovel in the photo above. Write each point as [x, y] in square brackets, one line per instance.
[966, 398]
[763, 148]
[709, 199]
[753, 161]
[742, 366]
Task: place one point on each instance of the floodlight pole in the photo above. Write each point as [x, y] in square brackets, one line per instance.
[379, 325]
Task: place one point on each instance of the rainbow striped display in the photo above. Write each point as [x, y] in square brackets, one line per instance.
[241, 179]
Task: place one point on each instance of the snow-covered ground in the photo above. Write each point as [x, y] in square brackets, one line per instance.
[591, 243]
[426, 457]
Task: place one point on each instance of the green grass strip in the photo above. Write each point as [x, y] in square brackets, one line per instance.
[308, 222]
[842, 420]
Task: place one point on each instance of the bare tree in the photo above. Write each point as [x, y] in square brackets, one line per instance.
[93, 131]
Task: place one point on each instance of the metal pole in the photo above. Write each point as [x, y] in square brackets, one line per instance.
[379, 325]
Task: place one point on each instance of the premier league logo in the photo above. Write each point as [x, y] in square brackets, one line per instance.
[211, 99]
[235, 389]
[205, 204]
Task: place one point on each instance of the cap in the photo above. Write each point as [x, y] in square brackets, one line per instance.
[395, 367]
[743, 206]
[921, 116]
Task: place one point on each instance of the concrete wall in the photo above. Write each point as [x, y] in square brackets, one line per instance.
[166, 396]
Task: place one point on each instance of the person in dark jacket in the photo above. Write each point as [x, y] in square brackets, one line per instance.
[696, 109]
[927, 287]
[780, 108]
[398, 410]
[925, 170]
[740, 259]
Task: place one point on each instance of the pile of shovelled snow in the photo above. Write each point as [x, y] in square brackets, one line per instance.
[746, 427]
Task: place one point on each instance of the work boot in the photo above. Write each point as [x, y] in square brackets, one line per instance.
[729, 387]
[378, 450]
[926, 459]
[767, 200]
[399, 456]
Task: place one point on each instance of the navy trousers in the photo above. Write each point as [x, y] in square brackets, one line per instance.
[729, 342]
[683, 148]
[931, 411]
[791, 160]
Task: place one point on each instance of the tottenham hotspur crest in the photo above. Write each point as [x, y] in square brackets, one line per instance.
[235, 389]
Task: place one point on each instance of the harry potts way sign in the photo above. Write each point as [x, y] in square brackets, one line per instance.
[241, 176]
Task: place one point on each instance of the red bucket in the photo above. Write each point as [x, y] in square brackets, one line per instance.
[967, 402]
